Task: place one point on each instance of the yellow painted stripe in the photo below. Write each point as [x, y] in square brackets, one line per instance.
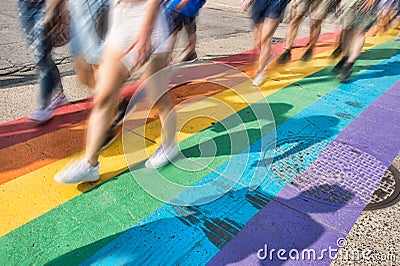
[33, 194]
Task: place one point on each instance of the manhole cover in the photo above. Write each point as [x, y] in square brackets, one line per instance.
[291, 156]
[388, 192]
[334, 173]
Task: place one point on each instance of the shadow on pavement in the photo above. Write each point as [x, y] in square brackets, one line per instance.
[212, 226]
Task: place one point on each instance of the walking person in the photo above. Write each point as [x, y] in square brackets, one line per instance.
[32, 16]
[138, 33]
[358, 18]
[318, 11]
[182, 14]
[266, 16]
[388, 10]
[87, 43]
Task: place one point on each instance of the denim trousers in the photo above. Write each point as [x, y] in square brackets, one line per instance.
[31, 15]
[85, 42]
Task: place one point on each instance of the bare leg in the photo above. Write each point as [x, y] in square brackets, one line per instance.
[315, 31]
[292, 31]
[84, 72]
[257, 45]
[190, 49]
[347, 37]
[257, 35]
[268, 29]
[172, 38]
[192, 39]
[112, 76]
[356, 41]
[157, 86]
[290, 38]
[191, 29]
[356, 44]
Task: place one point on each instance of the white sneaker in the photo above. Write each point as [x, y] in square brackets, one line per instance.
[57, 102]
[162, 156]
[259, 79]
[79, 171]
[41, 115]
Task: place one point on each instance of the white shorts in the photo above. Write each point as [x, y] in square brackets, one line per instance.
[126, 19]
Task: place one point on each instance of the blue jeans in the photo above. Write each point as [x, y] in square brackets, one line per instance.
[31, 15]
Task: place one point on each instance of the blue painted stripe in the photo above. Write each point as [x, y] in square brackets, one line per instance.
[195, 234]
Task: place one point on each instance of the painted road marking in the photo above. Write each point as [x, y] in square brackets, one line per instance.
[19, 210]
[92, 191]
[208, 227]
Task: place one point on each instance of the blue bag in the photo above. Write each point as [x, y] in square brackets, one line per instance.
[191, 9]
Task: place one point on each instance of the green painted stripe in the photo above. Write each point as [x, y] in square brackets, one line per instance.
[94, 218]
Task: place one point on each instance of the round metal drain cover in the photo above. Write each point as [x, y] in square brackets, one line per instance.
[334, 173]
[388, 192]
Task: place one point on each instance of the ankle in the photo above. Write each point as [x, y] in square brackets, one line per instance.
[92, 162]
[348, 65]
[60, 95]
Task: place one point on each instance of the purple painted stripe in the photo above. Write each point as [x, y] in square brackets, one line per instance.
[295, 220]
[377, 130]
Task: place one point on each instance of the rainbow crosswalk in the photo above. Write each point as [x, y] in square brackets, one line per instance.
[115, 221]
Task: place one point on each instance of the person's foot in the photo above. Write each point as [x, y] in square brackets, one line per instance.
[307, 55]
[42, 114]
[79, 171]
[337, 52]
[285, 57]
[345, 74]
[58, 101]
[162, 156]
[260, 77]
[191, 57]
[340, 64]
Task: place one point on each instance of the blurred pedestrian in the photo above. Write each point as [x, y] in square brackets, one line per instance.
[318, 11]
[32, 16]
[388, 10]
[358, 18]
[182, 14]
[89, 19]
[138, 33]
[266, 16]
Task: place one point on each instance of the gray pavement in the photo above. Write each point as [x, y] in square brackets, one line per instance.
[222, 30]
